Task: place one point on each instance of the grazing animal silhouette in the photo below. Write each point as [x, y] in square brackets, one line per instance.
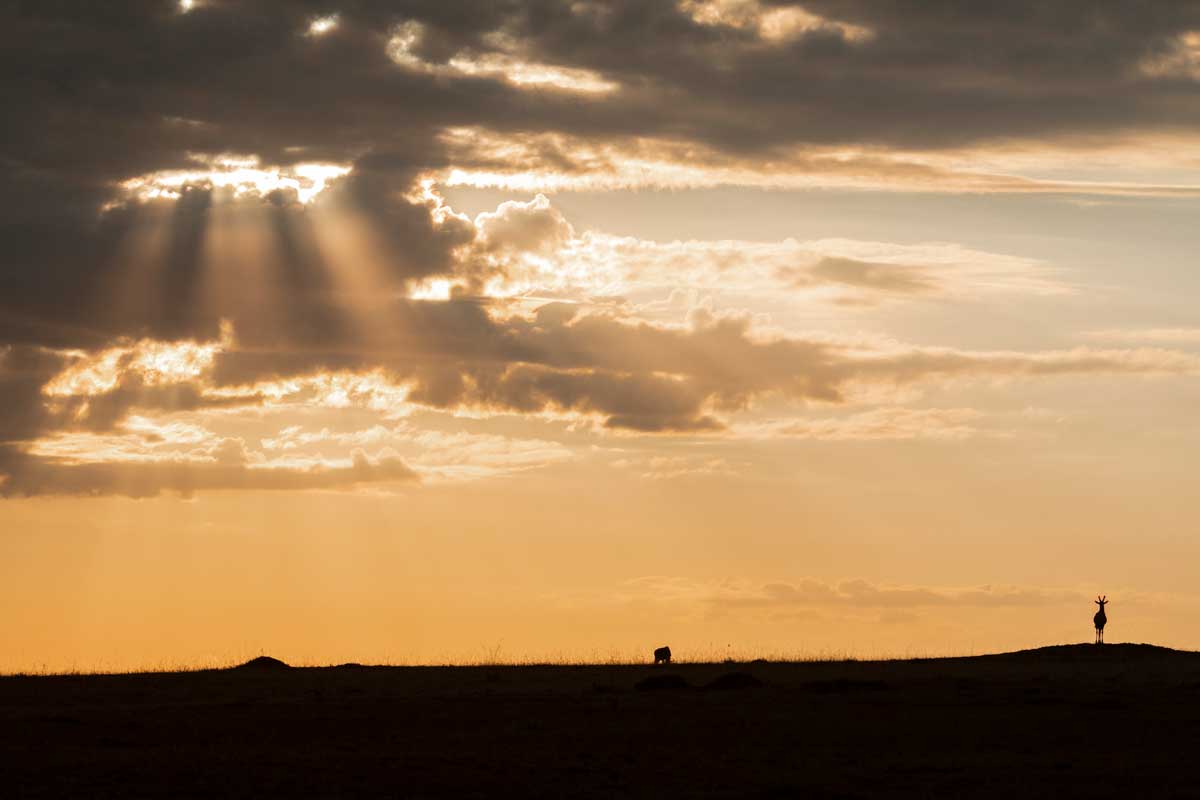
[662, 655]
[1100, 619]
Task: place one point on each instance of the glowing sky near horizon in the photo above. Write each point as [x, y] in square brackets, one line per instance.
[564, 330]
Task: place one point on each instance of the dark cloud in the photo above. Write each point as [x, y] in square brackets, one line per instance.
[28, 476]
[104, 411]
[142, 85]
[928, 75]
[23, 373]
[124, 89]
[638, 375]
[871, 276]
[97, 94]
[456, 355]
[867, 275]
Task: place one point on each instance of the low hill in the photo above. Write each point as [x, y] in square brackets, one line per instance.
[1127, 651]
[1070, 720]
[261, 663]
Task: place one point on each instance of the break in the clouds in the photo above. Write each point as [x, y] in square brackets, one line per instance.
[223, 209]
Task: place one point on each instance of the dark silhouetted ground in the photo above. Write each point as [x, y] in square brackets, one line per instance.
[1084, 721]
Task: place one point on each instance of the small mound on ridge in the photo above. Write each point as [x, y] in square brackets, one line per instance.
[263, 663]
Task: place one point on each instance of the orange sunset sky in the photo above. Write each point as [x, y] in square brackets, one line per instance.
[419, 332]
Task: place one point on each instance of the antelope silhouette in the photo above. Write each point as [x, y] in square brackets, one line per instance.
[1100, 619]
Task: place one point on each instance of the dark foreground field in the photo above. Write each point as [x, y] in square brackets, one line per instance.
[1117, 720]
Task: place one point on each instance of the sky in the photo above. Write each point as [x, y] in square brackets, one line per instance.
[449, 332]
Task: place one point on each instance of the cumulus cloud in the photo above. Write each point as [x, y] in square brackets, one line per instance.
[235, 115]
[463, 355]
[631, 374]
[531, 249]
[533, 227]
[251, 223]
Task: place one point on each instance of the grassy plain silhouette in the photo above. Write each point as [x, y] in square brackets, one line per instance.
[972, 726]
